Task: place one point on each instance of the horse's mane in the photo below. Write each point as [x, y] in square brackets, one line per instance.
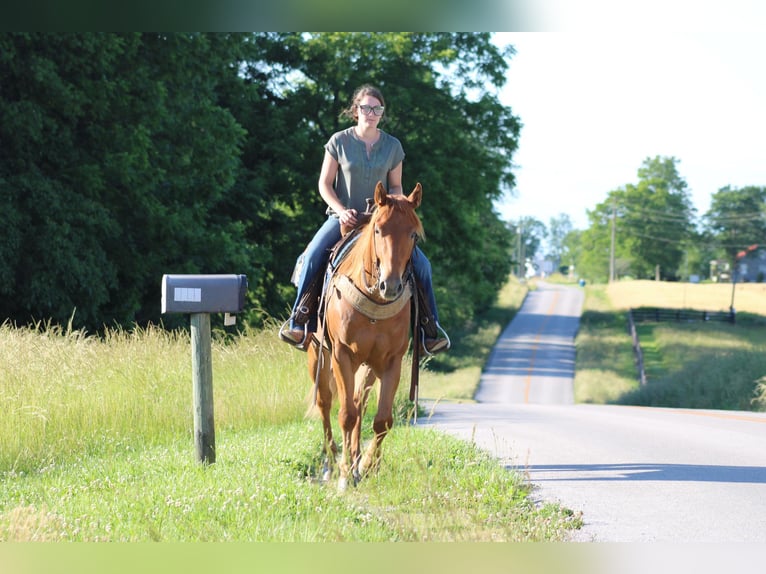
[363, 252]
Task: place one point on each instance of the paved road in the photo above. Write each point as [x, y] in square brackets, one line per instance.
[637, 474]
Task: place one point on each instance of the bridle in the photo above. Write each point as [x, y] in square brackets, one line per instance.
[375, 274]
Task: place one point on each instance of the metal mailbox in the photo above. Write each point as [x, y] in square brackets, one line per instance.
[203, 293]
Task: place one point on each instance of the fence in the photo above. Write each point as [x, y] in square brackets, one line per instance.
[639, 354]
[657, 314]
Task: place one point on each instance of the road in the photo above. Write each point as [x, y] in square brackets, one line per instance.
[637, 474]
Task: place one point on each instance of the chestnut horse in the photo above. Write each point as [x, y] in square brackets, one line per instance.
[365, 328]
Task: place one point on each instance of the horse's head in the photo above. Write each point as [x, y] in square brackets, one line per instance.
[396, 228]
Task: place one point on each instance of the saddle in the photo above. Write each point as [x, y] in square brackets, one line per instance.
[310, 304]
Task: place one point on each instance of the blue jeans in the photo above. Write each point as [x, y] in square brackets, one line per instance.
[318, 253]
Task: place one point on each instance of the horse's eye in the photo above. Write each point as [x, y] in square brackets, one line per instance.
[377, 230]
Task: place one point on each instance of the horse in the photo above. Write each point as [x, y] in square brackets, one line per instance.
[365, 329]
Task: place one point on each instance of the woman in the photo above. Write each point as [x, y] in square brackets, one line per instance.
[355, 159]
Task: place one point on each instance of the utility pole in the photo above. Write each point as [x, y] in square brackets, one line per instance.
[611, 249]
[518, 249]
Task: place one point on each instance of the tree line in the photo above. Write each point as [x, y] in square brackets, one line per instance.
[651, 230]
[127, 156]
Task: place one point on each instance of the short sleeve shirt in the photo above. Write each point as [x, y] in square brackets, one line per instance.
[357, 173]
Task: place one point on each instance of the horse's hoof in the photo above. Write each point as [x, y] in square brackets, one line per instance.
[357, 476]
[342, 484]
[326, 474]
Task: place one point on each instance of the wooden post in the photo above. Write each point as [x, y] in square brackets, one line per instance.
[202, 385]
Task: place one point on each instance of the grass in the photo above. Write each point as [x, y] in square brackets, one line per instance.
[261, 490]
[690, 365]
[97, 446]
[604, 364]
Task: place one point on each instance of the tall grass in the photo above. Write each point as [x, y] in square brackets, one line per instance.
[604, 368]
[97, 446]
[703, 365]
[692, 365]
[66, 393]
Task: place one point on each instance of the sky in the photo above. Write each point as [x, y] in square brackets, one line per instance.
[594, 106]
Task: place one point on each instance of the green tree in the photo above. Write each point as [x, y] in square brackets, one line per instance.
[571, 252]
[653, 223]
[558, 229]
[126, 156]
[457, 137]
[115, 157]
[656, 214]
[737, 219]
[594, 244]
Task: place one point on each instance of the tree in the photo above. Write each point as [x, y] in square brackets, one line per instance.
[126, 156]
[115, 157]
[594, 244]
[457, 137]
[656, 214]
[653, 221]
[558, 229]
[737, 219]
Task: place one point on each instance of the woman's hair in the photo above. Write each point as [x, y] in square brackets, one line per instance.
[352, 111]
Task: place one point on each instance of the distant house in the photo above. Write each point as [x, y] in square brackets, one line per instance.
[720, 271]
[751, 264]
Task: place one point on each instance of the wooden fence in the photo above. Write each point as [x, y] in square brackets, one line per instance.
[657, 314]
[637, 352]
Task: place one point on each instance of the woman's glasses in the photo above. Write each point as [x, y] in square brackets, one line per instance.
[377, 110]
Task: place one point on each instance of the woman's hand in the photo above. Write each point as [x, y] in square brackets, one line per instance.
[348, 218]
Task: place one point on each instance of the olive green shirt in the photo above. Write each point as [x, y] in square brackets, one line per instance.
[357, 173]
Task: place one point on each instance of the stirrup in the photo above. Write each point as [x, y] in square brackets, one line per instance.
[423, 341]
[299, 345]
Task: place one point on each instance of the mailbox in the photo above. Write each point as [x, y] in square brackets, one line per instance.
[203, 293]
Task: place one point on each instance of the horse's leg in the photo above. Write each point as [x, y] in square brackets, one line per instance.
[365, 378]
[384, 418]
[348, 412]
[363, 382]
[324, 396]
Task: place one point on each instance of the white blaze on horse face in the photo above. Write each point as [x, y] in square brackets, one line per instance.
[393, 252]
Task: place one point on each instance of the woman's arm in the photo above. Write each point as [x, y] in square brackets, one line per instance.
[327, 191]
[395, 180]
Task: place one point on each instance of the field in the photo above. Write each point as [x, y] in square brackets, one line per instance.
[692, 365]
[97, 440]
[748, 297]
[97, 446]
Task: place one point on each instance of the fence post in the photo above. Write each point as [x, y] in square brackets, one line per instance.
[637, 348]
[202, 387]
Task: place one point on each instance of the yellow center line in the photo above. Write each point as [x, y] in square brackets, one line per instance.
[531, 367]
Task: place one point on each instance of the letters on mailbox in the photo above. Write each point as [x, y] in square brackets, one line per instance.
[203, 293]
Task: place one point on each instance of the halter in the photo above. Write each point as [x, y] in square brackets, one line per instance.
[375, 274]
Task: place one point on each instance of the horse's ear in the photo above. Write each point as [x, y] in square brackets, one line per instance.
[380, 194]
[416, 196]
